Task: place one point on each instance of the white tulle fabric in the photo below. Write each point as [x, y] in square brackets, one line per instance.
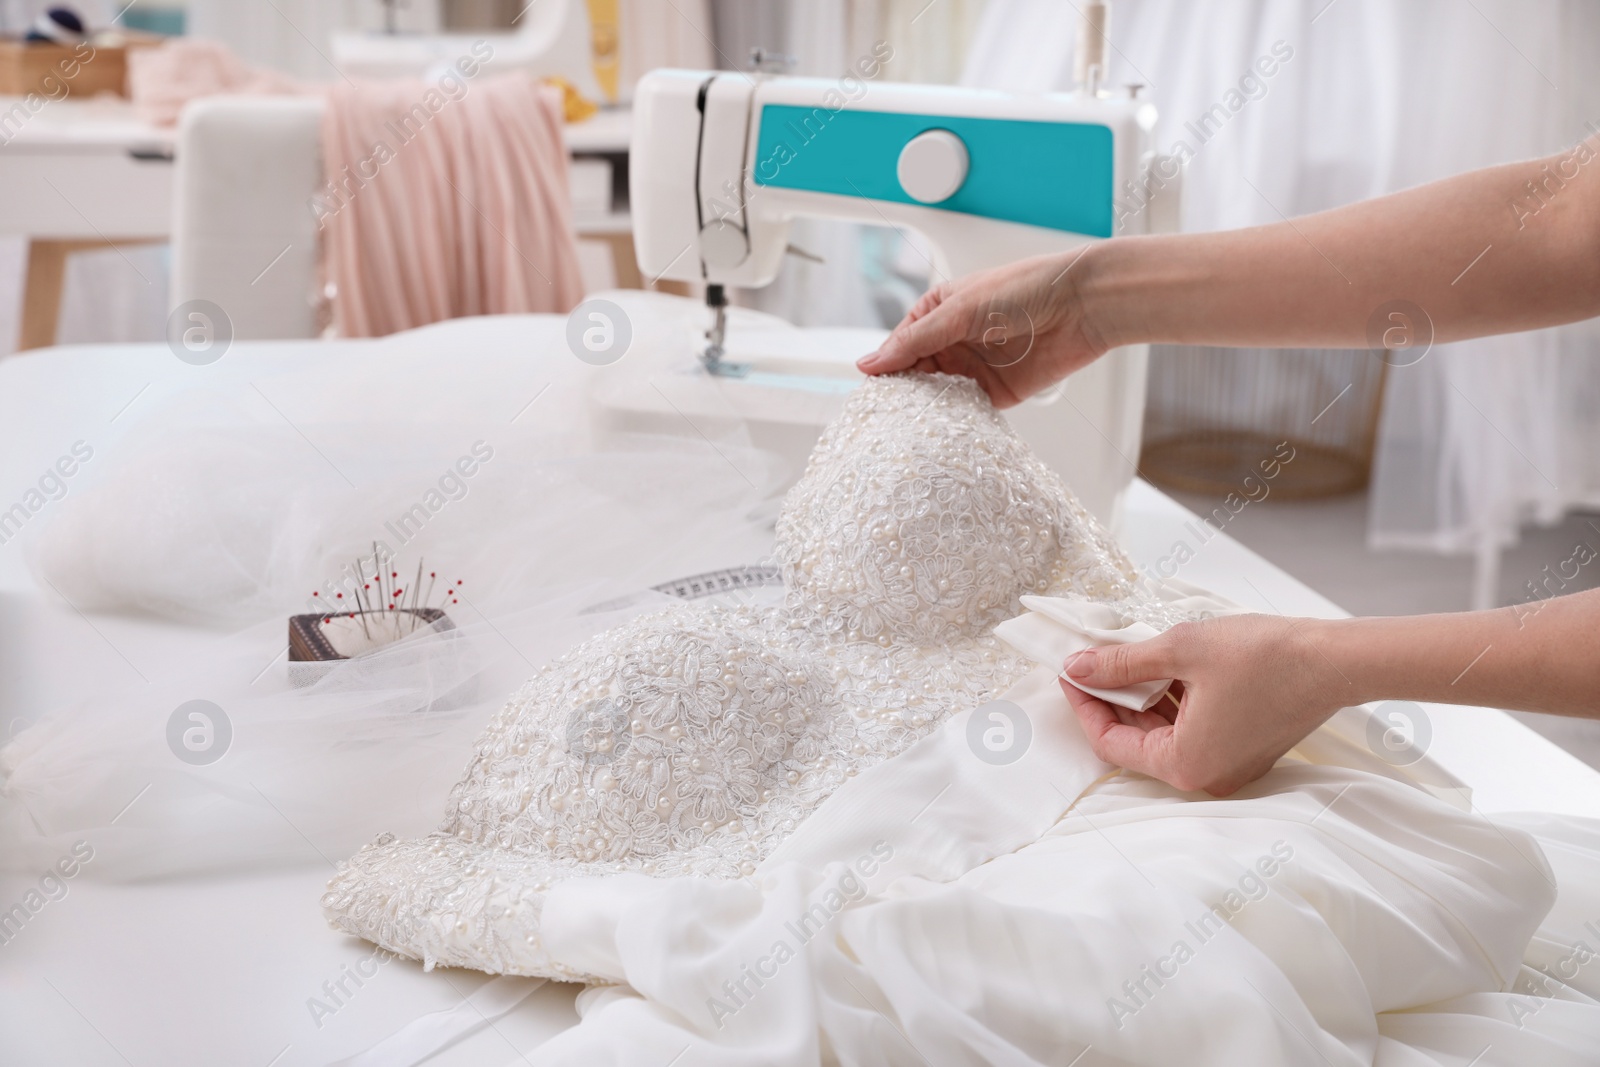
[209, 518]
[695, 740]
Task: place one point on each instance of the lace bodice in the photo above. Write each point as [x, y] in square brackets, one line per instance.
[922, 518]
[694, 740]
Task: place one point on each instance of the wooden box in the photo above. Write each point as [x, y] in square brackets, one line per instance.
[55, 70]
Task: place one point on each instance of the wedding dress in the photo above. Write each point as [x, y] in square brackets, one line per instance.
[779, 834]
[693, 741]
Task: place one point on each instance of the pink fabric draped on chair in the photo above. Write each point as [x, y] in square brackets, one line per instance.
[438, 212]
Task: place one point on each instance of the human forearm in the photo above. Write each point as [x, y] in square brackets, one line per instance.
[1253, 686]
[1316, 281]
[1542, 656]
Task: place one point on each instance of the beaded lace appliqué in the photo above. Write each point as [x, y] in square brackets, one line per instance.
[694, 740]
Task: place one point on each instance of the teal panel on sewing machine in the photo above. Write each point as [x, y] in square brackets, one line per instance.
[1059, 175]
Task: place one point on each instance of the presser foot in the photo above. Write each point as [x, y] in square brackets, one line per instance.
[718, 367]
[711, 357]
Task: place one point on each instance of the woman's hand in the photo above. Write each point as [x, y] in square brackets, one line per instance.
[1017, 329]
[1275, 286]
[1249, 688]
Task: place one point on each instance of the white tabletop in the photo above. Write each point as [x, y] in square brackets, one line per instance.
[208, 971]
[99, 123]
[111, 123]
[70, 170]
[607, 131]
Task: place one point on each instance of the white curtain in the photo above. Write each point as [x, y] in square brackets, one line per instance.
[663, 33]
[1379, 95]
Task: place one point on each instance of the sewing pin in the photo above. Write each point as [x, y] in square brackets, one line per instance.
[361, 578]
[415, 590]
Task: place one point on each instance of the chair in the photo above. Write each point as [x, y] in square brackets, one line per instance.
[243, 233]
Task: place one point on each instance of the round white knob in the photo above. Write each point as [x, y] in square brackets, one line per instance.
[932, 166]
[723, 244]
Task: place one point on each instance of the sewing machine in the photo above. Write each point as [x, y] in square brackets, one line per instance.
[551, 37]
[723, 163]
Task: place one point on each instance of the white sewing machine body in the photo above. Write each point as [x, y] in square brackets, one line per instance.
[551, 38]
[723, 163]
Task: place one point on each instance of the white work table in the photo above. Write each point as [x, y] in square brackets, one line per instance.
[218, 970]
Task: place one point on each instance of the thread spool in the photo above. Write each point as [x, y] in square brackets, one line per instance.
[1089, 58]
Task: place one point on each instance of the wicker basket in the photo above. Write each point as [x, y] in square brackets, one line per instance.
[1218, 416]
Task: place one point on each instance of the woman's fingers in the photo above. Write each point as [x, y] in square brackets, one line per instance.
[917, 338]
[1140, 744]
[1115, 666]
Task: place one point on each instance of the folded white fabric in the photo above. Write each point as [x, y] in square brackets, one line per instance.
[1057, 627]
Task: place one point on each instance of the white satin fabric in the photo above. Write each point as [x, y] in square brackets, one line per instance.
[1322, 915]
[942, 909]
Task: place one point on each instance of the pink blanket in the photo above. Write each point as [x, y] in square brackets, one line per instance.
[440, 201]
